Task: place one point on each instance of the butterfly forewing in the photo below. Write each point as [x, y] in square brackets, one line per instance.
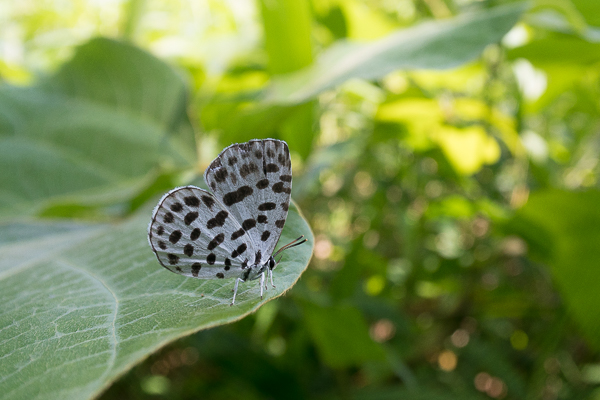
[194, 235]
[253, 180]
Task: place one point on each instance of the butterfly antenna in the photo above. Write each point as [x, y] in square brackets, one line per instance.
[293, 243]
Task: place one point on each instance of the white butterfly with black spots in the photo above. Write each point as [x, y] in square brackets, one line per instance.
[231, 232]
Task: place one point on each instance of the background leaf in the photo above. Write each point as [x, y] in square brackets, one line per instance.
[341, 335]
[96, 131]
[571, 219]
[431, 45]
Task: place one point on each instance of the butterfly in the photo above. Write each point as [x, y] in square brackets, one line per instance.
[231, 232]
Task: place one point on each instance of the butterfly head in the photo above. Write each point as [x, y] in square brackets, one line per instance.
[271, 263]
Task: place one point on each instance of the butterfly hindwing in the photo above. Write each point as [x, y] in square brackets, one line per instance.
[253, 180]
[192, 234]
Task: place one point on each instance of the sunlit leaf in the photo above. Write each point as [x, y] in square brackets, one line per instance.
[466, 148]
[365, 22]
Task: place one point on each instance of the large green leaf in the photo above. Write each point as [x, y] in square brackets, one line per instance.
[81, 304]
[95, 130]
[569, 221]
[432, 45]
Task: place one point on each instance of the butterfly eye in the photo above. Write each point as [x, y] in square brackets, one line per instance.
[271, 263]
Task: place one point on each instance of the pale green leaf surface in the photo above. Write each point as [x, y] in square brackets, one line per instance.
[432, 45]
[69, 140]
[81, 304]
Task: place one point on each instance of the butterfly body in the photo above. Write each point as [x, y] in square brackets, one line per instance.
[231, 232]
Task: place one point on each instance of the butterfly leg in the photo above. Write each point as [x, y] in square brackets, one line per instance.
[262, 283]
[271, 276]
[238, 280]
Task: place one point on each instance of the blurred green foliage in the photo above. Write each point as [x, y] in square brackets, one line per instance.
[446, 155]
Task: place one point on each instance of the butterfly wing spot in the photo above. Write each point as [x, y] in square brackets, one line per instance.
[235, 197]
[168, 218]
[268, 206]
[262, 219]
[188, 250]
[174, 237]
[262, 184]
[248, 169]
[191, 201]
[217, 240]
[176, 207]
[280, 223]
[190, 217]
[269, 168]
[285, 206]
[162, 245]
[240, 250]
[208, 201]
[195, 234]
[285, 178]
[218, 220]
[221, 174]
[282, 159]
[237, 234]
[196, 269]
[265, 236]
[211, 258]
[279, 188]
[248, 224]
[173, 259]
[232, 161]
